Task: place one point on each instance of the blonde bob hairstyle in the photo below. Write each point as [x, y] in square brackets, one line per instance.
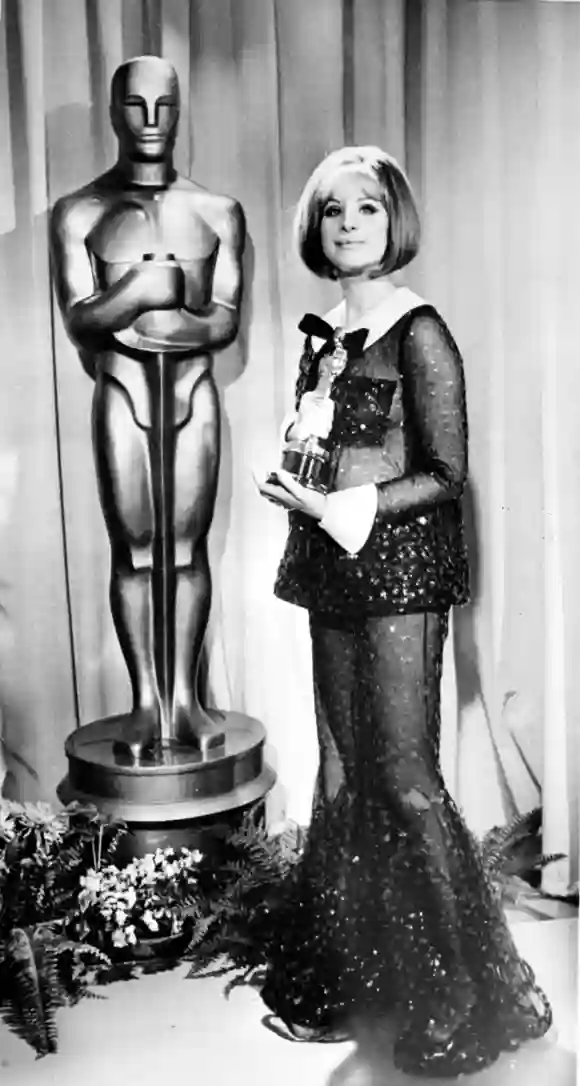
[404, 228]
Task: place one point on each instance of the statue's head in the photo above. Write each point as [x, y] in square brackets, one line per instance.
[145, 108]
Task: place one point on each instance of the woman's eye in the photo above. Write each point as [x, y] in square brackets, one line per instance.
[331, 211]
[369, 209]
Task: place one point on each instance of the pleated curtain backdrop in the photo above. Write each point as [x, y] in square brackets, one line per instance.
[480, 99]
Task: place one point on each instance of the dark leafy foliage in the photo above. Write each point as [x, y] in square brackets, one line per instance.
[513, 856]
[43, 853]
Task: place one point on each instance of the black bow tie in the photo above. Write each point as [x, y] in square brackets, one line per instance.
[353, 342]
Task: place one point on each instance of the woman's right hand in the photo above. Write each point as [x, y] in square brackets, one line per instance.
[314, 418]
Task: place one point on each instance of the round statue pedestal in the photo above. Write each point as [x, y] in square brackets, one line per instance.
[175, 798]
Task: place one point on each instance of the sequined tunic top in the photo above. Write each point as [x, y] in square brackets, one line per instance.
[399, 422]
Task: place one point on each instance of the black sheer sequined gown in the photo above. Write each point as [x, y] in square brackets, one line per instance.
[390, 908]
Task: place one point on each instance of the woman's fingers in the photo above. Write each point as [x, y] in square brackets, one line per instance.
[277, 494]
[289, 483]
[282, 489]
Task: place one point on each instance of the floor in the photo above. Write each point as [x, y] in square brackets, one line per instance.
[150, 1030]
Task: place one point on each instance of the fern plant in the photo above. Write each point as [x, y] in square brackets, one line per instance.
[43, 854]
[513, 857]
[245, 896]
[41, 971]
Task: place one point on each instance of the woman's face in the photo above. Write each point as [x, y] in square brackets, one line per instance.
[355, 225]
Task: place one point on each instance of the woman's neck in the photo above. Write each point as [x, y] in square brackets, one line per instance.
[362, 294]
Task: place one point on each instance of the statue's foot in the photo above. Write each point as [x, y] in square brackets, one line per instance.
[139, 737]
[192, 727]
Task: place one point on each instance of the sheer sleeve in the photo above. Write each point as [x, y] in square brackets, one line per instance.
[435, 412]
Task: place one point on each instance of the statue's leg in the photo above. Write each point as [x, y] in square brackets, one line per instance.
[196, 475]
[123, 473]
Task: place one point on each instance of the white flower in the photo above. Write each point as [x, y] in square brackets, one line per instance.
[130, 934]
[120, 917]
[120, 938]
[147, 868]
[7, 830]
[91, 882]
[150, 921]
[85, 900]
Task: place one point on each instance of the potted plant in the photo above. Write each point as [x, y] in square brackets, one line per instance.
[141, 910]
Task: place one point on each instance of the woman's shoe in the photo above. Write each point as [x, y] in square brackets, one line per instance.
[305, 1034]
[518, 1026]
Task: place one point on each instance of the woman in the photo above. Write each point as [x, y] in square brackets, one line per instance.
[391, 907]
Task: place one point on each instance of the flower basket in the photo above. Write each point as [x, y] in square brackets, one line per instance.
[160, 947]
[140, 911]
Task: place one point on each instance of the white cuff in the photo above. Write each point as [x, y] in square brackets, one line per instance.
[349, 516]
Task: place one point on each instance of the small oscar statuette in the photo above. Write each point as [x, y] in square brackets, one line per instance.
[308, 457]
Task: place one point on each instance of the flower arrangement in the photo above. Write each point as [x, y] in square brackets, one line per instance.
[70, 916]
[43, 852]
[150, 897]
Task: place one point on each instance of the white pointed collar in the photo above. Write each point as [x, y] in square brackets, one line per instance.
[378, 320]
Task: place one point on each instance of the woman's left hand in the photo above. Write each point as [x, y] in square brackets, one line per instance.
[282, 489]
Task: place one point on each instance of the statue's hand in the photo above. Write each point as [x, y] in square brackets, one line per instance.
[162, 284]
[315, 417]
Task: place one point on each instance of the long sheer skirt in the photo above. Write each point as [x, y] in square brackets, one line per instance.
[391, 907]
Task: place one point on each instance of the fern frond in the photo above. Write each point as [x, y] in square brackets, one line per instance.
[79, 965]
[119, 832]
[200, 931]
[252, 976]
[51, 991]
[502, 838]
[25, 994]
[210, 968]
[83, 950]
[549, 858]
[70, 857]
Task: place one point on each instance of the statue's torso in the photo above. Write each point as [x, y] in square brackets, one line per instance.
[133, 225]
[137, 224]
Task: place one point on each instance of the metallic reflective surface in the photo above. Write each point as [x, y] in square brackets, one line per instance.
[173, 785]
[147, 269]
[309, 458]
[177, 798]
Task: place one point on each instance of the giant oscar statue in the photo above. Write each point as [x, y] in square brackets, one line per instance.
[147, 267]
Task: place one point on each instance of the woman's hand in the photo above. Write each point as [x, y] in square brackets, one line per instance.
[282, 489]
